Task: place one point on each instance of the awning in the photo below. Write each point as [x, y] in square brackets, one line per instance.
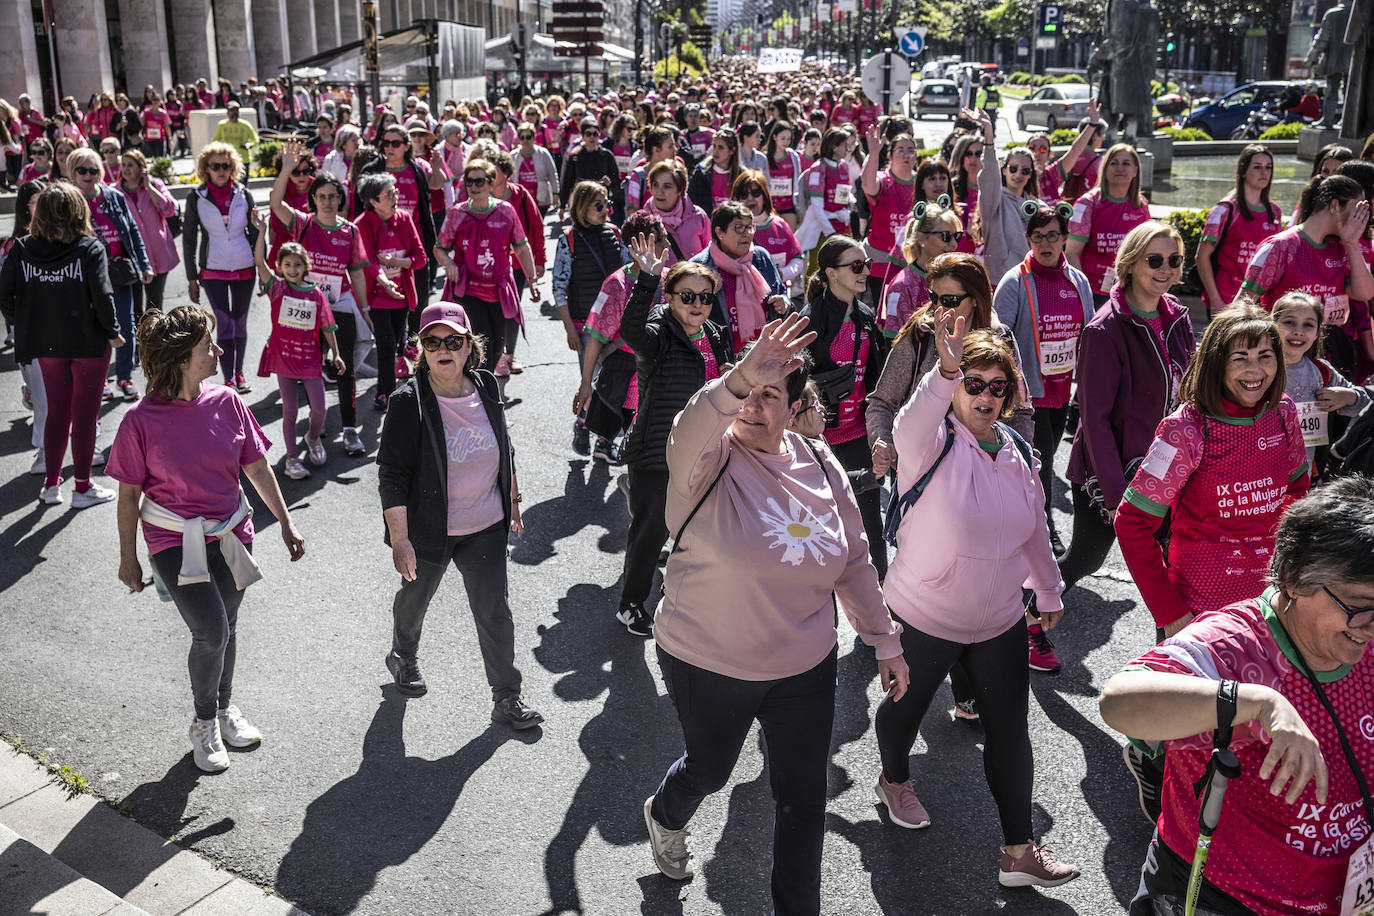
[541, 59]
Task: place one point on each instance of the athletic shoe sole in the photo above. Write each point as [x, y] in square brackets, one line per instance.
[1022, 879]
[1055, 670]
[393, 664]
[1141, 777]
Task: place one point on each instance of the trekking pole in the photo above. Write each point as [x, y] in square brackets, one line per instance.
[1223, 768]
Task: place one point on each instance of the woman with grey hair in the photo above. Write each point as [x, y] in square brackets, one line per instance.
[1285, 681]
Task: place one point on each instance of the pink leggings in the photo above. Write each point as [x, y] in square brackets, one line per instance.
[74, 387]
[314, 390]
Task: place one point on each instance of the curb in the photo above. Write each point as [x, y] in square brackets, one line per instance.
[72, 855]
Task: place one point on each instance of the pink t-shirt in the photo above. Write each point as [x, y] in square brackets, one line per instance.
[700, 141]
[298, 315]
[902, 296]
[603, 321]
[105, 228]
[704, 345]
[155, 124]
[776, 237]
[1275, 858]
[829, 184]
[186, 456]
[485, 241]
[720, 186]
[850, 422]
[332, 252]
[1058, 322]
[526, 177]
[474, 500]
[408, 193]
[782, 184]
[277, 234]
[890, 210]
[1240, 239]
[1291, 261]
[1101, 223]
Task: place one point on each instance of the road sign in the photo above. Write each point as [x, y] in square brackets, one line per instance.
[886, 78]
[912, 41]
[1051, 18]
[1022, 47]
[1044, 42]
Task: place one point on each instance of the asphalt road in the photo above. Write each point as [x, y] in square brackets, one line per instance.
[359, 801]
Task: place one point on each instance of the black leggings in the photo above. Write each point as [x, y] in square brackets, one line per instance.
[648, 532]
[347, 336]
[1050, 423]
[149, 296]
[389, 329]
[1001, 682]
[488, 320]
[211, 611]
[1091, 542]
[855, 456]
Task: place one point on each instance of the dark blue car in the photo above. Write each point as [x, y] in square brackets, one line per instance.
[1221, 116]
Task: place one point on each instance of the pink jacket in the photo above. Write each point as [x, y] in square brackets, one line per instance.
[978, 533]
[151, 209]
[748, 592]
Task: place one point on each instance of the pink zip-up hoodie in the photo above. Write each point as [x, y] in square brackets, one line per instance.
[978, 533]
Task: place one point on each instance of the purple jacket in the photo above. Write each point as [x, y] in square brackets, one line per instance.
[1125, 387]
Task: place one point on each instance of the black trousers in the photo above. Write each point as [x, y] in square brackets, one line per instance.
[488, 320]
[1091, 542]
[998, 669]
[389, 330]
[1050, 423]
[481, 560]
[648, 532]
[149, 296]
[855, 456]
[347, 336]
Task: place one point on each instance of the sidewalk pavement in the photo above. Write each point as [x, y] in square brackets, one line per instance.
[67, 855]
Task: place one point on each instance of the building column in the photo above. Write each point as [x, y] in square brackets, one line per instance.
[271, 47]
[146, 60]
[300, 23]
[193, 29]
[234, 38]
[83, 48]
[327, 24]
[350, 20]
[19, 55]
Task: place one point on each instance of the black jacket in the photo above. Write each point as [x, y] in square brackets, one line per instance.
[671, 369]
[593, 165]
[58, 298]
[827, 315]
[424, 217]
[412, 460]
[699, 186]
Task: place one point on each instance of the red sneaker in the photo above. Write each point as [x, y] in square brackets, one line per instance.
[1042, 657]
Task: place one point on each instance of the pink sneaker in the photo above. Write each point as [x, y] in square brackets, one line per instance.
[503, 366]
[903, 807]
[402, 367]
[1042, 657]
[1036, 866]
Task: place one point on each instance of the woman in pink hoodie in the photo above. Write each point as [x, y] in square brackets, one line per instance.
[958, 592]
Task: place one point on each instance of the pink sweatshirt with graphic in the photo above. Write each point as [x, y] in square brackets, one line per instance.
[747, 594]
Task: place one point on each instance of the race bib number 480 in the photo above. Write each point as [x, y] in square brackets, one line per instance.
[1313, 421]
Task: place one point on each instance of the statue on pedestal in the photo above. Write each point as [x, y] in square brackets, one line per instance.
[1126, 59]
[1358, 121]
[1329, 57]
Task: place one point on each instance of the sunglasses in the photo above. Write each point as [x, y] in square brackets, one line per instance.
[590, 133]
[973, 152]
[219, 166]
[946, 236]
[451, 342]
[86, 170]
[949, 300]
[858, 266]
[1045, 238]
[1156, 261]
[998, 386]
[752, 192]
[1038, 149]
[691, 297]
[1355, 618]
[474, 181]
[395, 144]
[1020, 170]
[38, 152]
[304, 170]
[599, 206]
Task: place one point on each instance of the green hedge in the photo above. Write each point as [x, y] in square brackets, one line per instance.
[1282, 132]
[1186, 134]
[1064, 136]
[1157, 88]
[1071, 78]
[1020, 78]
[161, 168]
[1189, 224]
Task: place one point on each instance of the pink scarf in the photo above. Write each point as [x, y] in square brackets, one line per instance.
[750, 291]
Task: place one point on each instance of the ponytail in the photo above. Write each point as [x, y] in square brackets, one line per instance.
[1321, 192]
[829, 254]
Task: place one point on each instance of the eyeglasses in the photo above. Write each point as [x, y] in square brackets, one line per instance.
[219, 166]
[1020, 170]
[976, 386]
[303, 170]
[395, 144]
[86, 170]
[904, 151]
[858, 266]
[946, 236]
[755, 191]
[451, 342]
[692, 297]
[1045, 238]
[949, 300]
[1355, 618]
[1156, 261]
[474, 181]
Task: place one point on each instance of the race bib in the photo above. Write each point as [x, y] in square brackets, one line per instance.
[780, 187]
[779, 257]
[698, 149]
[1358, 899]
[297, 313]
[153, 132]
[392, 272]
[1313, 421]
[623, 163]
[1108, 280]
[844, 194]
[327, 283]
[1058, 356]
[1336, 309]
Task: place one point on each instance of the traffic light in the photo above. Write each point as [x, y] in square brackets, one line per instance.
[1171, 43]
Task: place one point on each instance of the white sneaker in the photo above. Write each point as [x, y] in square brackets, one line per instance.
[206, 747]
[97, 459]
[296, 470]
[51, 496]
[92, 497]
[314, 448]
[236, 730]
[353, 443]
[40, 464]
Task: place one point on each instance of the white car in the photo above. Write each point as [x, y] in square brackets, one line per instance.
[1054, 106]
[939, 97]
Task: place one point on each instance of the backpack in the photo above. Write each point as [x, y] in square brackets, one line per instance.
[898, 505]
[1076, 184]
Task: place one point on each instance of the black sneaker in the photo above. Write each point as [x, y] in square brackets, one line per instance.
[636, 619]
[512, 711]
[582, 440]
[606, 451]
[1057, 544]
[406, 673]
[1149, 780]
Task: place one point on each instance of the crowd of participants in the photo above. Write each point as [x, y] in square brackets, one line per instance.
[780, 305]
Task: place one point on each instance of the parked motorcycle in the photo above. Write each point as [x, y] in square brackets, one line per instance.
[1258, 121]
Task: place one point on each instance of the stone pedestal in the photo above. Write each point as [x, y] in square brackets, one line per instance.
[1161, 147]
[1147, 169]
[1312, 139]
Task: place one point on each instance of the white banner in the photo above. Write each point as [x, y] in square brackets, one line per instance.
[779, 60]
[847, 6]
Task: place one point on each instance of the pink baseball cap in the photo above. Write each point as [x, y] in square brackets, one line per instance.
[449, 314]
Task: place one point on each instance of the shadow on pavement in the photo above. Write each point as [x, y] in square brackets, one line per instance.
[627, 743]
[584, 504]
[380, 816]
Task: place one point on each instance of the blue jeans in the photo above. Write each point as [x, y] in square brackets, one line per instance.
[124, 312]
